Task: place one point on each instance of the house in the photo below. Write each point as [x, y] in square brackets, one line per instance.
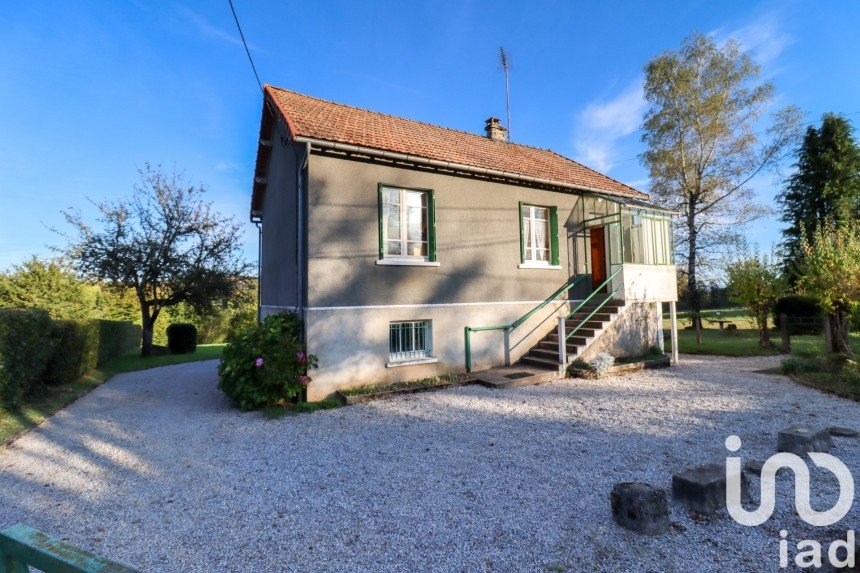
[412, 250]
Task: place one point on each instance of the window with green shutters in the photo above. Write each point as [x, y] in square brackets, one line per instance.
[407, 223]
[538, 235]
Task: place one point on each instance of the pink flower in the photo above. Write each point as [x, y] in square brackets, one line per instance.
[302, 357]
[304, 379]
[258, 362]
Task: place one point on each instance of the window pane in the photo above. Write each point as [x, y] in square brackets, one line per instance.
[541, 213]
[391, 222]
[542, 255]
[416, 249]
[391, 196]
[416, 199]
[393, 248]
[541, 235]
[527, 235]
[416, 227]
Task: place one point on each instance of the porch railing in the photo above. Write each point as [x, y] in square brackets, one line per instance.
[22, 547]
[563, 335]
[565, 288]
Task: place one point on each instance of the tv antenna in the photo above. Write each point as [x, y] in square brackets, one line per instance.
[506, 67]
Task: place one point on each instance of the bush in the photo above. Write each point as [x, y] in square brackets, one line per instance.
[25, 347]
[75, 345]
[602, 363]
[799, 308]
[266, 365]
[798, 365]
[116, 337]
[182, 338]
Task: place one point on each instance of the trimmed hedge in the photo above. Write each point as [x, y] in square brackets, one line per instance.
[75, 350]
[115, 338]
[25, 348]
[799, 307]
[35, 350]
[182, 338]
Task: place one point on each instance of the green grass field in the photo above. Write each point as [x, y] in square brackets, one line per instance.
[35, 409]
[742, 342]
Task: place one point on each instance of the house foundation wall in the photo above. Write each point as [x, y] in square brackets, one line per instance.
[352, 344]
[633, 333]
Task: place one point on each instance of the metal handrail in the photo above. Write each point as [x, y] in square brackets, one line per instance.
[594, 291]
[508, 327]
[593, 312]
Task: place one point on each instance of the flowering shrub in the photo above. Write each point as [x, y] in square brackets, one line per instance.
[266, 365]
[601, 363]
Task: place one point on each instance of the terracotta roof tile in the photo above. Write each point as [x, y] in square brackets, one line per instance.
[325, 120]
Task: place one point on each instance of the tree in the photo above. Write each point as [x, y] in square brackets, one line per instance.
[702, 151]
[829, 271]
[165, 242]
[51, 286]
[757, 283]
[825, 185]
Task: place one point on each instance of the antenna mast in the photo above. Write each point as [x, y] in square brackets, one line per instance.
[506, 67]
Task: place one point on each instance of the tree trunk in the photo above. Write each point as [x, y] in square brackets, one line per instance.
[146, 322]
[146, 341]
[692, 279]
[828, 334]
[763, 332]
[840, 333]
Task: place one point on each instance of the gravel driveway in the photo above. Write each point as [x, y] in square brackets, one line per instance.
[154, 469]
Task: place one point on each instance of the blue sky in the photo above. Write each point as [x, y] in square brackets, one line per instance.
[91, 90]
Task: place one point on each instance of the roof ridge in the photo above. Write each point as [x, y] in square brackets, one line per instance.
[402, 118]
[518, 157]
[595, 170]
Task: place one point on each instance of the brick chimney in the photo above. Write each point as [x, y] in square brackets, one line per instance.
[494, 129]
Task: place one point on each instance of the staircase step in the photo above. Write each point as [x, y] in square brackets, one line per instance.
[544, 353]
[540, 362]
[549, 345]
[575, 339]
[598, 317]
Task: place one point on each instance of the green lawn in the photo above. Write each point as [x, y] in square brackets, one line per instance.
[36, 409]
[742, 342]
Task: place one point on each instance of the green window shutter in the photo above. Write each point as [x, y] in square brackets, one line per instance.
[522, 239]
[553, 234]
[431, 225]
[379, 214]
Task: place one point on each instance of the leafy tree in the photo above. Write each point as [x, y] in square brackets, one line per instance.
[825, 185]
[829, 271]
[51, 286]
[757, 283]
[702, 152]
[165, 243]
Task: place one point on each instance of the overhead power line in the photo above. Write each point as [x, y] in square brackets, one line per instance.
[244, 43]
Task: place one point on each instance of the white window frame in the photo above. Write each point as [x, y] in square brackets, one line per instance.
[414, 356]
[404, 227]
[529, 253]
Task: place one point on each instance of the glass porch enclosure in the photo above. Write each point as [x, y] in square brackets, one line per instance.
[606, 234]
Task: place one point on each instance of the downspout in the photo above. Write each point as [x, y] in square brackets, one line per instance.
[300, 242]
[259, 225]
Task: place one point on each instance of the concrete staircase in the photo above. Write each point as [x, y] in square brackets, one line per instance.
[545, 353]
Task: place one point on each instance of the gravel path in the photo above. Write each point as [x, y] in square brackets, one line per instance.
[156, 470]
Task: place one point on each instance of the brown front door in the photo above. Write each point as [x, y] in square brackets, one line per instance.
[598, 256]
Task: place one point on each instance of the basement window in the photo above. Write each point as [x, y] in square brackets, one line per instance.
[410, 342]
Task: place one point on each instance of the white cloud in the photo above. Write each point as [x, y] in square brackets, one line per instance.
[763, 39]
[204, 27]
[601, 125]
